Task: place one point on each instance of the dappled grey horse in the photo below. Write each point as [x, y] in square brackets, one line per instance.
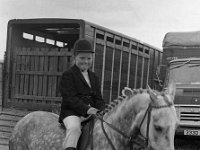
[147, 114]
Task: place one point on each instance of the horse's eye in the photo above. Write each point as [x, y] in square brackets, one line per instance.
[158, 128]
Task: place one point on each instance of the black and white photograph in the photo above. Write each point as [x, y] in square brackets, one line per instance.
[99, 75]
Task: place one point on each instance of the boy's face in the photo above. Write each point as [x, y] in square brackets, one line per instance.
[84, 61]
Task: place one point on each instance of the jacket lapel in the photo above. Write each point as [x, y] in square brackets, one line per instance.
[78, 72]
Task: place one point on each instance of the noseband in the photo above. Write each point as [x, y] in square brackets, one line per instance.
[132, 138]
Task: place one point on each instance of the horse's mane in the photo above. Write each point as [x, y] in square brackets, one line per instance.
[124, 98]
[126, 95]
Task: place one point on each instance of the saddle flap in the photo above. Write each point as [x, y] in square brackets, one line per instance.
[86, 136]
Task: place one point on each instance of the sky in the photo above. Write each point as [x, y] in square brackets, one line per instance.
[145, 20]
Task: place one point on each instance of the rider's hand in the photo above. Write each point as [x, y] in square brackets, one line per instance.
[92, 111]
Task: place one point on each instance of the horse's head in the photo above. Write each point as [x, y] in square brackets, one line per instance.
[160, 120]
[141, 113]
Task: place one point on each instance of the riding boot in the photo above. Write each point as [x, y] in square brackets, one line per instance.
[70, 148]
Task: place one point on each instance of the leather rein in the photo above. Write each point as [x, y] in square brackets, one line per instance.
[132, 137]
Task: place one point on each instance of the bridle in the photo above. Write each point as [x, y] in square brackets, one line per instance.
[137, 130]
[132, 138]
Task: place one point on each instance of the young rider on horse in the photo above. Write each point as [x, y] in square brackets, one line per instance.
[81, 93]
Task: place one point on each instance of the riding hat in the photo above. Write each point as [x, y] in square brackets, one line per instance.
[83, 46]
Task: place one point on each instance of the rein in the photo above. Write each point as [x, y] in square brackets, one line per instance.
[134, 134]
[111, 126]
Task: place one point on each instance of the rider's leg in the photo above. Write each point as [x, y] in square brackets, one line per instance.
[73, 131]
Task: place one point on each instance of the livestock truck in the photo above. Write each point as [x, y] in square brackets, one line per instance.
[39, 50]
[181, 64]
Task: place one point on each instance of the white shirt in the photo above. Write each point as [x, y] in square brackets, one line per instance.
[86, 76]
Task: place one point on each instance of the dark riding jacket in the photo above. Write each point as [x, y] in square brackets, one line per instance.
[77, 95]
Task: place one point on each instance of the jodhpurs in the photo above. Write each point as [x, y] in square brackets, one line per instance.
[73, 131]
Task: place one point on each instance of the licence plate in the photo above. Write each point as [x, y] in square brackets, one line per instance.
[192, 132]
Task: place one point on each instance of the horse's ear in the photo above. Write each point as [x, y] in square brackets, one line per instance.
[127, 92]
[172, 89]
[153, 95]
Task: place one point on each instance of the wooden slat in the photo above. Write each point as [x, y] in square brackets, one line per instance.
[14, 81]
[6, 129]
[38, 73]
[9, 117]
[49, 83]
[17, 78]
[54, 78]
[31, 76]
[22, 76]
[58, 94]
[65, 63]
[44, 98]
[36, 68]
[44, 90]
[60, 64]
[35, 85]
[4, 147]
[40, 85]
[26, 77]
[45, 53]
[33, 105]
[32, 62]
[54, 85]
[41, 68]
[4, 135]
[14, 112]
[7, 123]
[4, 142]
[50, 78]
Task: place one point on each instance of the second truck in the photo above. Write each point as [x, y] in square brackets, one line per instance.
[181, 64]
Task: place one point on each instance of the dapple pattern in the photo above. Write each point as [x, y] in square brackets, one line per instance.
[37, 131]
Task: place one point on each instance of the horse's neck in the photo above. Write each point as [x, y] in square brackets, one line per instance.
[121, 117]
[124, 115]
